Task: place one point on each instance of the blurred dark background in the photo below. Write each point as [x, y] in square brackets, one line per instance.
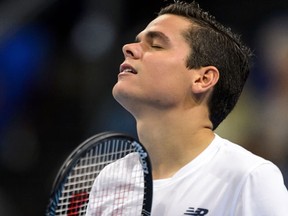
[59, 60]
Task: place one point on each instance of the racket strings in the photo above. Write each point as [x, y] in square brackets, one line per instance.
[74, 197]
[119, 189]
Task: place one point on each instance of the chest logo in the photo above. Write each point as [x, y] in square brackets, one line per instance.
[196, 212]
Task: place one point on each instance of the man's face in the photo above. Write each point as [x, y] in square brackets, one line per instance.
[154, 73]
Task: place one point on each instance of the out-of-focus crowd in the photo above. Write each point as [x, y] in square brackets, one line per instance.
[59, 60]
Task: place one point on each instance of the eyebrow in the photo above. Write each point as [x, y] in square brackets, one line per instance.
[155, 35]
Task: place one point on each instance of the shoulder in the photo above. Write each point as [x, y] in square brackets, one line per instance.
[258, 181]
[235, 162]
[238, 156]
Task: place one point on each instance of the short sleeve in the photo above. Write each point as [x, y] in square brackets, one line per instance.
[263, 193]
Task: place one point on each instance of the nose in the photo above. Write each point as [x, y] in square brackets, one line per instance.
[131, 50]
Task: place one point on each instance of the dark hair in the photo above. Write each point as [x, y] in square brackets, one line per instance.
[213, 44]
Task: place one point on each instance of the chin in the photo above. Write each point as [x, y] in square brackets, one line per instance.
[125, 100]
[120, 95]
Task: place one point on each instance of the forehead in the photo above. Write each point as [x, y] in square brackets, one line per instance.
[172, 26]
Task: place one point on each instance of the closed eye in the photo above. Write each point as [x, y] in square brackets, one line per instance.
[156, 46]
[154, 38]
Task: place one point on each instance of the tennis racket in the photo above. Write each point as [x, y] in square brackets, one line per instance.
[108, 174]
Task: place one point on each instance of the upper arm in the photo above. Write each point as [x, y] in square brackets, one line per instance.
[263, 193]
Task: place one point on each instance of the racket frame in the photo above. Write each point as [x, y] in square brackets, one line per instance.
[82, 149]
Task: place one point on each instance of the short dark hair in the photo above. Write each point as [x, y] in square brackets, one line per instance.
[214, 44]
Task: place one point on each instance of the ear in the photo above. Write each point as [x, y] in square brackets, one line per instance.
[204, 79]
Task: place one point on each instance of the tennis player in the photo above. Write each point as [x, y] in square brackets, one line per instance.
[180, 79]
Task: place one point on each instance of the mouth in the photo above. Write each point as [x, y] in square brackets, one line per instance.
[125, 68]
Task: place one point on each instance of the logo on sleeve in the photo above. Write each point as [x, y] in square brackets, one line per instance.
[196, 212]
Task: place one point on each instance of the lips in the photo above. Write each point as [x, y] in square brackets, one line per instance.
[127, 69]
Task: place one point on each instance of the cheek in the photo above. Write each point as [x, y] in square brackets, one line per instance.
[163, 66]
[169, 84]
[171, 73]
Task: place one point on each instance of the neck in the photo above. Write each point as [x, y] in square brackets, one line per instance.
[173, 139]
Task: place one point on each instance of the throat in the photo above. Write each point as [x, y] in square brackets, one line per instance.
[169, 156]
[163, 173]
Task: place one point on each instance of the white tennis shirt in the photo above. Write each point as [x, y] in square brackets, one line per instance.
[224, 180]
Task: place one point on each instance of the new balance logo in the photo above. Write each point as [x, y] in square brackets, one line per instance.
[197, 212]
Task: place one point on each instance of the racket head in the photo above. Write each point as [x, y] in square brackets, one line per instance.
[73, 183]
